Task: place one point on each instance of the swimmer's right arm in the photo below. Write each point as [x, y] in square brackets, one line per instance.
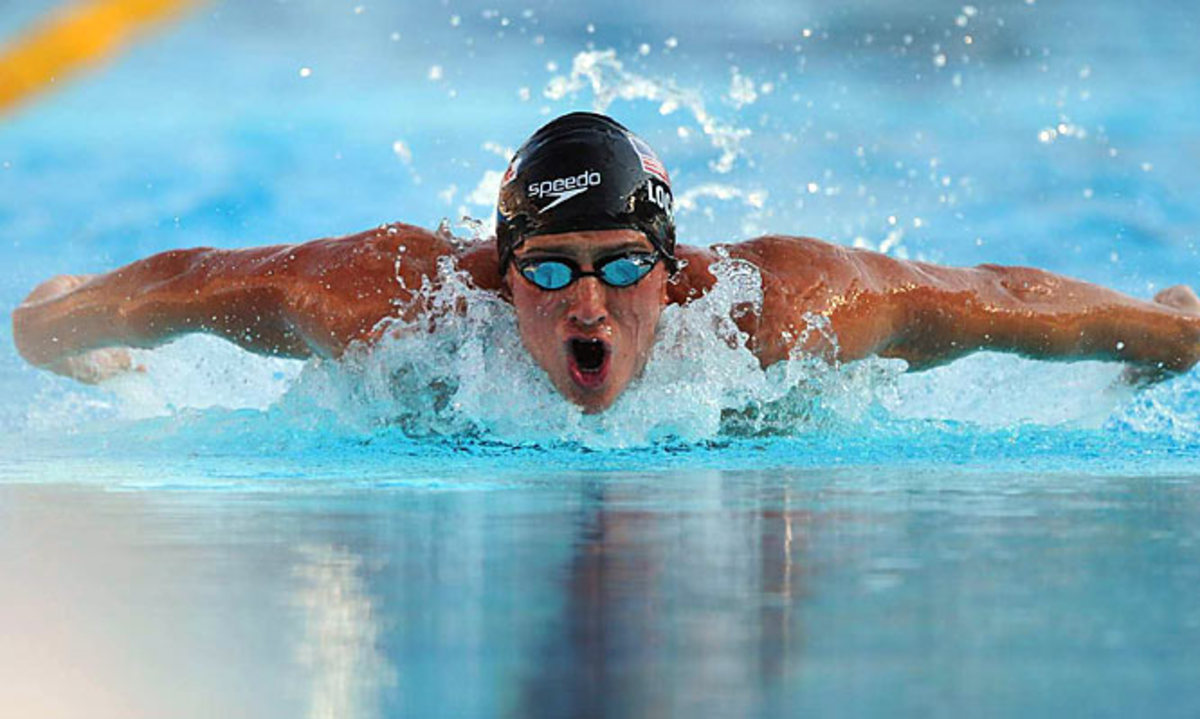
[295, 301]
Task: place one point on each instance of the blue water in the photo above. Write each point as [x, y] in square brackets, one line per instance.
[230, 535]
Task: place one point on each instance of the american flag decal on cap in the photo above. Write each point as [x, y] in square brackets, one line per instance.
[511, 173]
[649, 160]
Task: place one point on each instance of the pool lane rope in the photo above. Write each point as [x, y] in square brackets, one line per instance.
[73, 38]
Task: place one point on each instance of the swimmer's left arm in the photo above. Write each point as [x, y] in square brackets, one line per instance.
[929, 314]
[936, 314]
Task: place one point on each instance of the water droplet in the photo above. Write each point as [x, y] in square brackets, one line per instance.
[402, 151]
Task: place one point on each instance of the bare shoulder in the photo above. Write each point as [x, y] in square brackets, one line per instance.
[801, 276]
[384, 250]
[406, 255]
[795, 258]
[337, 289]
[787, 264]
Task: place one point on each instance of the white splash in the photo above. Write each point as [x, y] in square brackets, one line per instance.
[191, 373]
[606, 76]
[689, 199]
[465, 373]
[742, 90]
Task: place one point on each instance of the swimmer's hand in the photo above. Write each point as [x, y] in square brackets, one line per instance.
[93, 366]
[1179, 297]
[96, 366]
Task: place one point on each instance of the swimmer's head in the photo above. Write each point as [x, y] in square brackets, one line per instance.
[586, 240]
[585, 171]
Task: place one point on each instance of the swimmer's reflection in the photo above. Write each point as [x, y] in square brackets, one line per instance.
[674, 612]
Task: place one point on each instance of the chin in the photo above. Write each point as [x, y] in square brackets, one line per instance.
[594, 405]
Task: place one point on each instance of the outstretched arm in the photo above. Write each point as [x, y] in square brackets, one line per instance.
[929, 314]
[1044, 316]
[287, 300]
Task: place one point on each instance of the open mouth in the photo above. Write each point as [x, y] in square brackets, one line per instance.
[589, 361]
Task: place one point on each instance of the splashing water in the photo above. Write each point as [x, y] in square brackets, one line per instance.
[465, 377]
[470, 376]
[606, 76]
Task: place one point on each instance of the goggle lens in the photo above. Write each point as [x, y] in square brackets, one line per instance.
[549, 275]
[619, 271]
[624, 271]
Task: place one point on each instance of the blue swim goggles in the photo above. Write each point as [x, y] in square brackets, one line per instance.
[620, 270]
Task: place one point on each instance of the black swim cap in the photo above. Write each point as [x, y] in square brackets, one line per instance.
[585, 171]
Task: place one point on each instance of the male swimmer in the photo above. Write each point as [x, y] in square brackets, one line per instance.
[585, 251]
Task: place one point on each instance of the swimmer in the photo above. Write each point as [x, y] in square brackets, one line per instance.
[585, 252]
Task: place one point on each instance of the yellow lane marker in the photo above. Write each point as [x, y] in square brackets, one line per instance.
[71, 39]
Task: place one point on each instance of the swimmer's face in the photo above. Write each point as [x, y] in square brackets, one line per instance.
[590, 338]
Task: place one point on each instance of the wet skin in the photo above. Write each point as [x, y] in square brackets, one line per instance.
[320, 297]
[623, 319]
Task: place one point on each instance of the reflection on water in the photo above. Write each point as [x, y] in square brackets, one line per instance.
[339, 646]
[711, 593]
[647, 588]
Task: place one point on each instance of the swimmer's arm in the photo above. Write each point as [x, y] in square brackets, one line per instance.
[932, 315]
[294, 301]
[929, 314]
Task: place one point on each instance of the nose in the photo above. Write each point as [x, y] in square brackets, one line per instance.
[587, 307]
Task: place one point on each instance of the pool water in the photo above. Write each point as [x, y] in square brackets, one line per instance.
[428, 530]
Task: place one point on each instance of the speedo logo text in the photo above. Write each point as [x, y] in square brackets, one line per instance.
[563, 188]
